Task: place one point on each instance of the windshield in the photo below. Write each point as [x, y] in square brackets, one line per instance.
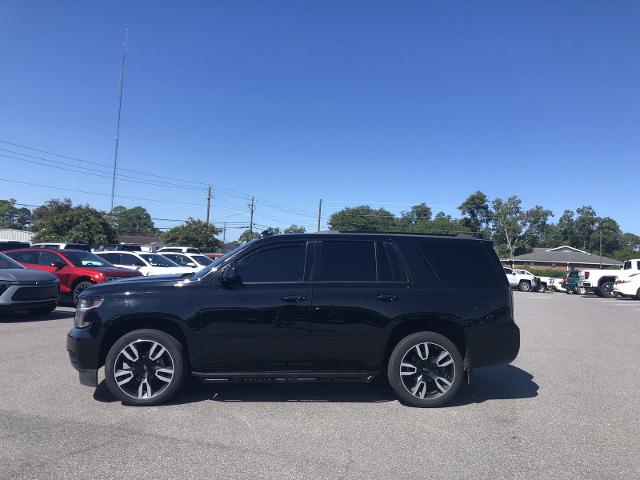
[215, 263]
[86, 259]
[202, 260]
[7, 263]
[156, 260]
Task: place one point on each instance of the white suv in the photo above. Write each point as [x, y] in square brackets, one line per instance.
[522, 280]
[145, 263]
[196, 261]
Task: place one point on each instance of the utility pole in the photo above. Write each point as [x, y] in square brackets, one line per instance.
[208, 204]
[252, 206]
[115, 155]
[600, 246]
[224, 235]
[319, 213]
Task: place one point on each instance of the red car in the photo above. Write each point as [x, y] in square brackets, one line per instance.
[76, 269]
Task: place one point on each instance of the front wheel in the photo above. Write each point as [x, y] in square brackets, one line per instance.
[524, 286]
[425, 369]
[145, 367]
[542, 288]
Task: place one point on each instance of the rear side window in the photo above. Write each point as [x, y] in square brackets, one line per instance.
[49, 259]
[459, 263]
[347, 261]
[284, 263]
[131, 260]
[113, 258]
[25, 257]
[390, 267]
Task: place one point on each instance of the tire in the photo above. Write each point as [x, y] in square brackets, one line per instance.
[79, 288]
[638, 294]
[42, 310]
[542, 288]
[524, 286]
[607, 289]
[440, 384]
[581, 291]
[599, 293]
[136, 387]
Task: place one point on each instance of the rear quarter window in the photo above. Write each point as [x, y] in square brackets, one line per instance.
[458, 263]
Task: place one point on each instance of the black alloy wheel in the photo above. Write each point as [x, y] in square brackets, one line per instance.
[607, 289]
[79, 288]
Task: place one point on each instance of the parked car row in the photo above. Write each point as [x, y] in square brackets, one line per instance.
[73, 270]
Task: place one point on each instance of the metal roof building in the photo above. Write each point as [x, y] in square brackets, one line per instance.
[563, 257]
[15, 235]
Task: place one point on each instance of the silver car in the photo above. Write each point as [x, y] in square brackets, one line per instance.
[22, 289]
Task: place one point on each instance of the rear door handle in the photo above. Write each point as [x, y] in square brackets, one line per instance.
[388, 298]
[293, 298]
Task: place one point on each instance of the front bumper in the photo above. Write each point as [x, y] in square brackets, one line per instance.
[492, 343]
[84, 351]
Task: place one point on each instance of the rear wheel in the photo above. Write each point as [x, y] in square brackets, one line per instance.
[607, 289]
[425, 369]
[524, 286]
[581, 290]
[145, 367]
[638, 294]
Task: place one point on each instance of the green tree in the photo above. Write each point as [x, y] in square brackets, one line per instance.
[362, 218]
[584, 226]
[607, 230]
[132, 221]
[59, 221]
[476, 213]
[630, 247]
[248, 235]
[515, 230]
[443, 223]
[416, 219]
[14, 217]
[194, 233]
[566, 229]
[295, 229]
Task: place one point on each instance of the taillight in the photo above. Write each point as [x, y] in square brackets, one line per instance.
[586, 274]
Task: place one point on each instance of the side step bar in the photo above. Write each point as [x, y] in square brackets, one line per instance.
[282, 377]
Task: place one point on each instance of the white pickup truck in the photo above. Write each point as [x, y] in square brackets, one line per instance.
[601, 282]
[522, 280]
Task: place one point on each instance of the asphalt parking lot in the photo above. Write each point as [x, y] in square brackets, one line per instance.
[567, 408]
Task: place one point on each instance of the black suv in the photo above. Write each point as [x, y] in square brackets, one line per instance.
[421, 309]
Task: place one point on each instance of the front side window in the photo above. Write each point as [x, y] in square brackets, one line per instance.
[86, 259]
[156, 260]
[347, 261]
[113, 258]
[202, 260]
[282, 263]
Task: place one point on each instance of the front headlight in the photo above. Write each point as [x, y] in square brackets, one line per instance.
[84, 306]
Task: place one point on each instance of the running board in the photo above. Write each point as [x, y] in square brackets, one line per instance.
[282, 377]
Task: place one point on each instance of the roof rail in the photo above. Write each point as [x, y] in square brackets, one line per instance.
[391, 232]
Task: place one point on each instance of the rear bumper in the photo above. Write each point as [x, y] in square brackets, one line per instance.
[83, 349]
[492, 344]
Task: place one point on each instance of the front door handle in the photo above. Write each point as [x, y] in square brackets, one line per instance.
[293, 298]
[388, 298]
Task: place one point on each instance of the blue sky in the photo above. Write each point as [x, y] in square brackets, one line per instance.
[385, 103]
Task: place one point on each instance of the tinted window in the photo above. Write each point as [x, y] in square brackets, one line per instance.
[49, 259]
[12, 245]
[77, 246]
[7, 262]
[157, 260]
[25, 257]
[459, 263]
[86, 259]
[627, 265]
[131, 260]
[113, 258]
[347, 262]
[202, 260]
[389, 266]
[283, 263]
[508, 270]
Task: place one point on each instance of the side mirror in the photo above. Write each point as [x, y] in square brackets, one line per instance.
[58, 265]
[230, 277]
[190, 264]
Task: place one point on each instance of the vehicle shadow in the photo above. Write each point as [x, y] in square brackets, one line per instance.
[23, 317]
[494, 383]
